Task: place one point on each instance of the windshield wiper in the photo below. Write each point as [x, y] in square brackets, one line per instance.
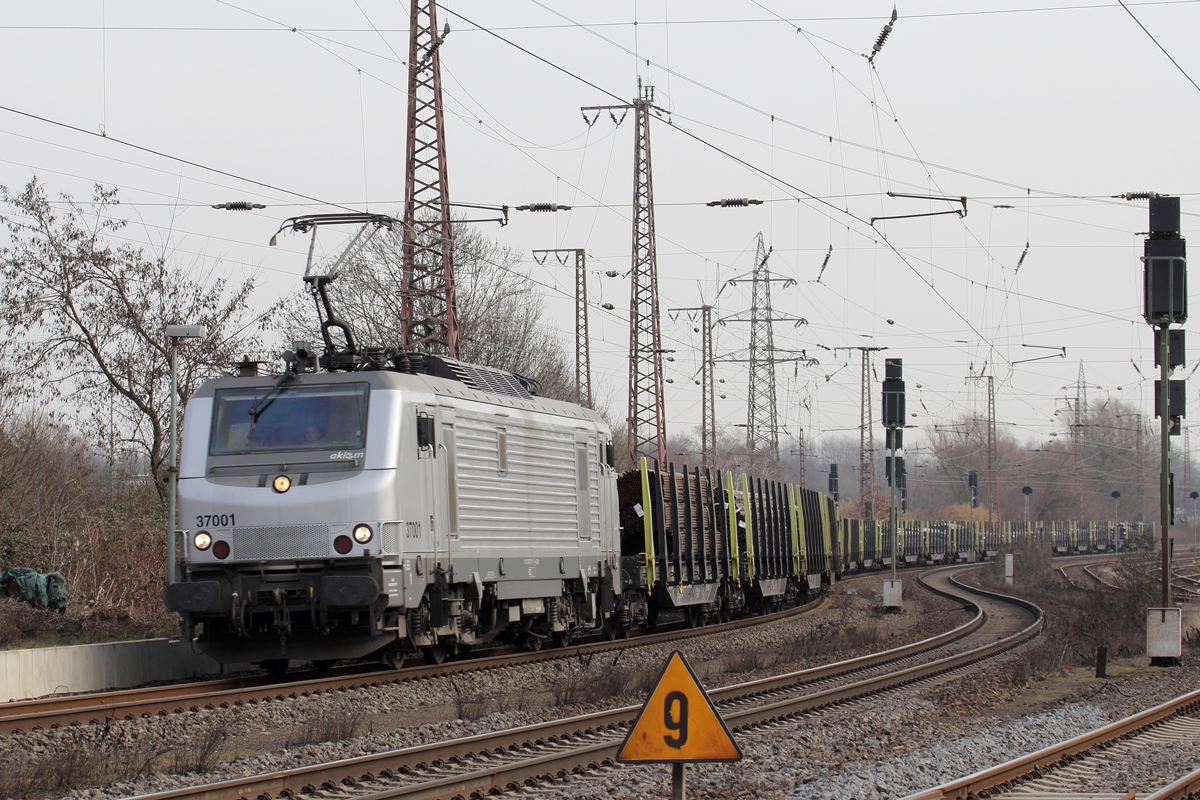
[255, 411]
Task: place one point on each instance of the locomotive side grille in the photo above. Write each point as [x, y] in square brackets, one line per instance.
[280, 541]
[390, 538]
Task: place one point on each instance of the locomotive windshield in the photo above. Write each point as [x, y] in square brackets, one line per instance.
[333, 416]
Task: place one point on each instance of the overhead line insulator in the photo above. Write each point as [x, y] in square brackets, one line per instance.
[543, 207]
[883, 36]
[735, 202]
[238, 205]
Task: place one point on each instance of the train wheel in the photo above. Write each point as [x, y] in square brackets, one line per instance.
[435, 654]
[534, 643]
[562, 639]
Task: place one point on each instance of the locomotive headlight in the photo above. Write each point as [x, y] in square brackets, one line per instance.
[202, 540]
[281, 484]
[363, 533]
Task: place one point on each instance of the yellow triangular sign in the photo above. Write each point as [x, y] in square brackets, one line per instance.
[678, 722]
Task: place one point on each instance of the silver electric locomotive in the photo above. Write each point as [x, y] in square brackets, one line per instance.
[380, 502]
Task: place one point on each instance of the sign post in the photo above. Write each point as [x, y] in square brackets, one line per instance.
[678, 724]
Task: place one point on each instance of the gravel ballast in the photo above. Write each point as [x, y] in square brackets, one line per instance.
[284, 734]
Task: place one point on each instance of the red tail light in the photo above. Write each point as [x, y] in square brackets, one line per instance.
[221, 549]
[342, 544]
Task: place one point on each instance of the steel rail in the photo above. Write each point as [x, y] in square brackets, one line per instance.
[1088, 571]
[1186, 787]
[1035, 765]
[354, 771]
[160, 700]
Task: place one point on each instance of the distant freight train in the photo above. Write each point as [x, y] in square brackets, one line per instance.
[865, 545]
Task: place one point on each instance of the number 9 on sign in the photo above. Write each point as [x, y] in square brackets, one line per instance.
[677, 722]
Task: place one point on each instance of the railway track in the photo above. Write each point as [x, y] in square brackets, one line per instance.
[1088, 570]
[98, 707]
[1081, 767]
[486, 763]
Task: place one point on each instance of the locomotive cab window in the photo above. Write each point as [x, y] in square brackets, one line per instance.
[326, 417]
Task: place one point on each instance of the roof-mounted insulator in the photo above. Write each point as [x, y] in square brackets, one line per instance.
[1135, 196]
[883, 36]
[543, 207]
[238, 205]
[735, 202]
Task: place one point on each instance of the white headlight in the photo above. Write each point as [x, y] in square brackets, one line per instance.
[202, 540]
[363, 533]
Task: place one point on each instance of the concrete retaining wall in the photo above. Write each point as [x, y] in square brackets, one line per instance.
[41, 671]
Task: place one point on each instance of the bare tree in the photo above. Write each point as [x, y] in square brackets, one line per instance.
[501, 315]
[85, 319]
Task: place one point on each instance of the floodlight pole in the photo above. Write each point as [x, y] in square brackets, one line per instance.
[174, 334]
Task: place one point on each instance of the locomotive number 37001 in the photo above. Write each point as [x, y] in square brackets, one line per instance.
[214, 520]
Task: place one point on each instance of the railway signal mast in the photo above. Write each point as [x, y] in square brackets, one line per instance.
[1164, 282]
[893, 420]
[647, 411]
[428, 316]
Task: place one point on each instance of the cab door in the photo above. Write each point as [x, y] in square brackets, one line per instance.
[445, 491]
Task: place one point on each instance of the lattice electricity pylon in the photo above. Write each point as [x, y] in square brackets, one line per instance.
[428, 315]
[647, 411]
[583, 348]
[708, 402]
[762, 412]
[866, 436]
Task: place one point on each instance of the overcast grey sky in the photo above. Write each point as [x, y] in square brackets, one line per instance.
[1048, 106]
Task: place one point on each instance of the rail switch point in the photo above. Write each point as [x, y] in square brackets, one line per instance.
[892, 593]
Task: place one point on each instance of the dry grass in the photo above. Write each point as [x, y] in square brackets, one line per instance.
[330, 725]
[202, 751]
[1191, 641]
[469, 706]
[822, 643]
[62, 509]
[1046, 656]
[596, 680]
[84, 762]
